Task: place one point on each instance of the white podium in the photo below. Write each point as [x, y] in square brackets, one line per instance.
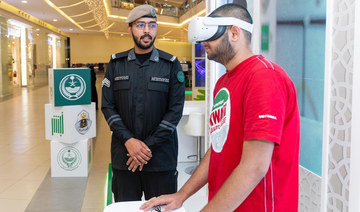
[132, 206]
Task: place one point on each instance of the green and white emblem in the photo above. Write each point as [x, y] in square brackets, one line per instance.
[69, 158]
[220, 120]
[72, 87]
[180, 76]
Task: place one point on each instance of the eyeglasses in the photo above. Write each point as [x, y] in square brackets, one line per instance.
[140, 25]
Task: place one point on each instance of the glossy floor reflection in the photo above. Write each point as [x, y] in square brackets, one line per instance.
[25, 155]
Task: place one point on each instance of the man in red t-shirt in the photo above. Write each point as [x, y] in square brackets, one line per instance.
[254, 129]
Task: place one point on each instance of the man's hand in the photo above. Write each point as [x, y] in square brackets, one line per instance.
[139, 153]
[133, 165]
[170, 202]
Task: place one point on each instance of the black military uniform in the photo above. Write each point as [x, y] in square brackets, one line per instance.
[144, 101]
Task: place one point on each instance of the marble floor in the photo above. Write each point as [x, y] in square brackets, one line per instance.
[25, 157]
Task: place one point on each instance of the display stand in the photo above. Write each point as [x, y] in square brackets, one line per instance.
[70, 122]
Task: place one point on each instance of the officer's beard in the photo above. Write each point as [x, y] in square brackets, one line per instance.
[138, 43]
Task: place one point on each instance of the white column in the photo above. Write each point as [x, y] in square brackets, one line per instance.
[210, 77]
[326, 110]
[354, 186]
[268, 17]
[23, 56]
[53, 45]
[4, 60]
[214, 71]
[255, 11]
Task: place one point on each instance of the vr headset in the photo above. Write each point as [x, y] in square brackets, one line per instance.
[203, 29]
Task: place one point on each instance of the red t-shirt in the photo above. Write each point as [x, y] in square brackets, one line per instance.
[256, 100]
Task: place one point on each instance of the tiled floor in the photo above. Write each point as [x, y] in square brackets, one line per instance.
[25, 154]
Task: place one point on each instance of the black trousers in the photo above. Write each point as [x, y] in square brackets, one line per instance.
[129, 186]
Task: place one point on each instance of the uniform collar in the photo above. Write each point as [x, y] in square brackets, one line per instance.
[154, 55]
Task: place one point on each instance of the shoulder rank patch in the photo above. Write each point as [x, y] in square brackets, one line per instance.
[173, 58]
[180, 76]
[106, 83]
[119, 55]
[167, 56]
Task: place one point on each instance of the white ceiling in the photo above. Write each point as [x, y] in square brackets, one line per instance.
[41, 10]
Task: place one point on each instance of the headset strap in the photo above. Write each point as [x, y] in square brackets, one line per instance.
[228, 21]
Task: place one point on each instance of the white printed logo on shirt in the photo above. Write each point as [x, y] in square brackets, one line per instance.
[220, 120]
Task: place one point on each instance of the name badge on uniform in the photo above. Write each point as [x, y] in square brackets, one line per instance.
[120, 78]
[158, 79]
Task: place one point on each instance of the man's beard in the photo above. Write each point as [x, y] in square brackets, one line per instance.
[140, 45]
[223, 53]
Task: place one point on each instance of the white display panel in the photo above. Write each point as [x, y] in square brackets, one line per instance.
[70, 124]
[71, 160]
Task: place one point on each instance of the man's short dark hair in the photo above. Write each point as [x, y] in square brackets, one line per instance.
[242, 3]
[236, 11]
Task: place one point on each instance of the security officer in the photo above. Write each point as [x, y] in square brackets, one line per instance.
[142, 100]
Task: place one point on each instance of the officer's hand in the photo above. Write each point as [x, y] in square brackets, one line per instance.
[138, 150]
[133, 165]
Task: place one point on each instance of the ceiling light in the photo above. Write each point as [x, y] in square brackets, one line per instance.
[122, 34]
[63, 14]
[24, 2]
[164, 38]
[37, 29]
[54, 19]
[71, 29]
[100, 15]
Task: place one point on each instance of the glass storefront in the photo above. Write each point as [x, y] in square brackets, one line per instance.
[27, 52]
[14, 62]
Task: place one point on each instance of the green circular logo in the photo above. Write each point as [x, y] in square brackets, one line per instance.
[69, 158]
[181, 76]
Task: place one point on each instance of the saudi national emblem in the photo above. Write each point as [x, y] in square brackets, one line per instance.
[69, 158]
[220, 120]
[83, 122]
[72, 87]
